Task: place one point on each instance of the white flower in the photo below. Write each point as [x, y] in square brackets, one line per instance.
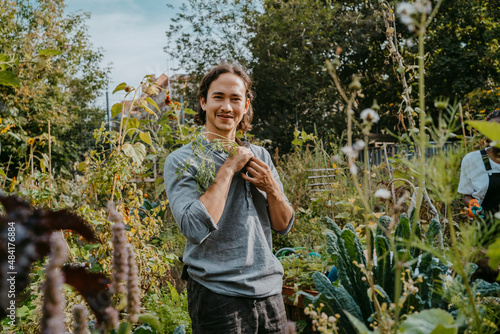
[382, 193]
[405, 8]
[369, 115]
[497, 215]
[359, 145]
[353, 169]
[423, 6]
[350, 152]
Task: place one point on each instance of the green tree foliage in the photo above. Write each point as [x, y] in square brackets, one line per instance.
[291, 42]
[60, 76]
[285, 45]
[463, 48]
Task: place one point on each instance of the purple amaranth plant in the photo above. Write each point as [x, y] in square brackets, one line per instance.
[133, 290]
[52, 321]
[120, 254]
[80, 323]
[28, 230]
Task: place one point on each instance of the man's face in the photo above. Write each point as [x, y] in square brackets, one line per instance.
[225, 105]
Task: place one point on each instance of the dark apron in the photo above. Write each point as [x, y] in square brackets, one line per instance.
[491, 202]
[490, 206]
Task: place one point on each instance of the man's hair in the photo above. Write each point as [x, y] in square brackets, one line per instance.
[494, 114]
[201, 115]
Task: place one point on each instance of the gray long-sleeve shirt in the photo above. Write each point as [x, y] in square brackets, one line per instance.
[233, 257]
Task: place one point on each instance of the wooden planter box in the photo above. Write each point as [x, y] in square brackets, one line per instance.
[295, 312]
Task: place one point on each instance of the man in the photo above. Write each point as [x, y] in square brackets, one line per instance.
[480, 178]
[235, 281]
[480, 185]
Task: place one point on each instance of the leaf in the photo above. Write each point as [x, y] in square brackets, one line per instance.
[489, 129]
[137, 152]
[81, 166]
[120, 87]
[125, 328]
[4, 61]
[152, 320]
[7, 78]
[92, 286]
[2, 173]
[148, 110]
[494, 253]
[42, 166]
[116, 109]
[133, 123]
[49, 52]
[359, 325]
[146, 137]
[189, 111]
[433, 321]
[153, 103]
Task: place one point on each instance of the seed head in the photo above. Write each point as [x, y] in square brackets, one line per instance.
[369, 116]
[133, 290]
[355, 84]
[359, 145]
[382, 193]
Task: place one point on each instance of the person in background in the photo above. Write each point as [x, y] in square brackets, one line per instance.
[480, 185]
[480, 178]
[234, 279]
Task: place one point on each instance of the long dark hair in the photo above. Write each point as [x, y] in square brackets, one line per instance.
[201, 115]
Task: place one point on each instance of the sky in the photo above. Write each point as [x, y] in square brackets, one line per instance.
[131, 34]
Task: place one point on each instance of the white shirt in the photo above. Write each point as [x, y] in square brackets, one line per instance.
[474, 179]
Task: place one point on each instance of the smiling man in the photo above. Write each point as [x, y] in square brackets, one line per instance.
[234, 280]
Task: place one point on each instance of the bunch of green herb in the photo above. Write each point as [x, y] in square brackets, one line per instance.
[203, 152]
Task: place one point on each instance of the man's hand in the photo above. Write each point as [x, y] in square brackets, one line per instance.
[260, 176]
[238, 162]
[214, 199]
[474, 208]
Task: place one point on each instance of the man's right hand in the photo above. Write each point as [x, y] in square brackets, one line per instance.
[238, 162]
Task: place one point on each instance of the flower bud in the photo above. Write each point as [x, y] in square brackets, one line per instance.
[355, 83]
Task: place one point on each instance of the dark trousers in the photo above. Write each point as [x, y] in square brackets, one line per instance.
[214, 313]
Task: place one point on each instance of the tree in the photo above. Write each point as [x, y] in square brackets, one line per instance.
[59, 75]
[287, 43]
[292, 40]
[463, 49]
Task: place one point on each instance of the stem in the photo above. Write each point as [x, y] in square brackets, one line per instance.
[120, 140]
[6, 172]
[32, 167]
[421, 145]
[397, 58]
[50, 159]
[460, 270]
[349, 119]
[335, 78]
[463, 126]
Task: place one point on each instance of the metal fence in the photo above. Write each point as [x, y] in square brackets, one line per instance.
[379, 155]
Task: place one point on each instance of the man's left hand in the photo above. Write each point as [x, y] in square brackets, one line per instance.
[260, 175]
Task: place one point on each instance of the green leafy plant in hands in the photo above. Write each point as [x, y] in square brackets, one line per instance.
[204, 152]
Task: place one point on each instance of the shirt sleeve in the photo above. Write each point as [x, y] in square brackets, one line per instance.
[465, 186]
[188, 211]
[267, 159]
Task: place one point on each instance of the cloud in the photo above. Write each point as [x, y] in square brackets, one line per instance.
[131, 35]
